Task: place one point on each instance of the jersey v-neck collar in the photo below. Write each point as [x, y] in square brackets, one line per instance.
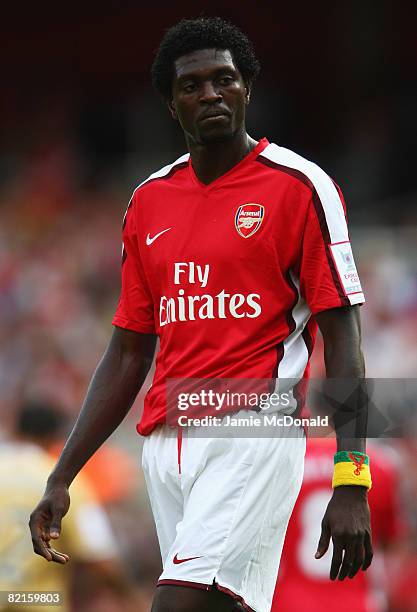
[262, 144]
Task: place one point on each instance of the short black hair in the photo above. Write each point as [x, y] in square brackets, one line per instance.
[202, 33]
[40, 420]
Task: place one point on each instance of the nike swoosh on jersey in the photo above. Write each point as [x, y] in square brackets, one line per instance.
[176, 561]
[149, 240]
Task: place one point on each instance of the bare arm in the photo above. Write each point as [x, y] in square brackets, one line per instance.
[112, 391]
[347, 519]
[345, 367]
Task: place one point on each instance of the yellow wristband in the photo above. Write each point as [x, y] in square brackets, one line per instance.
[351, 468]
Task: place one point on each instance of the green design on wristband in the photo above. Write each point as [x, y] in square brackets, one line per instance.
[347, 456]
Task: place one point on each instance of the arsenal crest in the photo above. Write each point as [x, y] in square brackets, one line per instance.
[248, 219]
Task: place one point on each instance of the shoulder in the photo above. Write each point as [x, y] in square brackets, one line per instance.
[301, 170]
[164, 174]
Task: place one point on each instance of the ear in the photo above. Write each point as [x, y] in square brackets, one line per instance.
[248, 93]
[172, 110]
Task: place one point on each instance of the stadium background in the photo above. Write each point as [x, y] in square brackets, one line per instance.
[81, 126]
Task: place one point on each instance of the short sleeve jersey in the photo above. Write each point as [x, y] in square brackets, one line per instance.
[229, 274]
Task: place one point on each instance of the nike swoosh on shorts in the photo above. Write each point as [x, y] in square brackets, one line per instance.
[176, 561]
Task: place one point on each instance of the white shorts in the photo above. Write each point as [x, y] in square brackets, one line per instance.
[221, 508]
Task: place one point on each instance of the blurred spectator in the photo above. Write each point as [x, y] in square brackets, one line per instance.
[94, 571]
[304, 582]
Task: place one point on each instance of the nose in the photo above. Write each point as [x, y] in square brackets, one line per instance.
[209, 93]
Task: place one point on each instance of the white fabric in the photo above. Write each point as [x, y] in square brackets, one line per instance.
[323, 184]
[230, 507]
[328, 195]
[295, 357]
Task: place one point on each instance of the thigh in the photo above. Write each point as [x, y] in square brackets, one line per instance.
[189, 599]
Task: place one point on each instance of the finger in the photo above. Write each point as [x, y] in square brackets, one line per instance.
[40, 548]
[337, 557]
[38, 540]
[348, 558]
[369, 553]
[324, 541]
[58, 557]
[55, 526]
[58, 552]
[359, 556]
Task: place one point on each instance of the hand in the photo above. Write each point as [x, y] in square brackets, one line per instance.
[45, 522]
[347, 522]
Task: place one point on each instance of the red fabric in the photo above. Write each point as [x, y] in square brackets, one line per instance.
[234, 325]
[185, 583]
[179, 447]
[301, 586]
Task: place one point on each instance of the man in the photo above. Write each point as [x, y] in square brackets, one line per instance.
[228, 252]
[369, 591]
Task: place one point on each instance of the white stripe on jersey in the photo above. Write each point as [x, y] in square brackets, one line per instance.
[326, 190]
[295, 357]
[295, 352]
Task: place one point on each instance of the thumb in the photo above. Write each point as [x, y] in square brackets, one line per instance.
[55, 528]
[324, 541]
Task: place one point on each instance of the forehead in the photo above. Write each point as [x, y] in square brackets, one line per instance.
[202, 61]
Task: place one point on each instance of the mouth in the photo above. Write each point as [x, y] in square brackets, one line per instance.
[214, 116]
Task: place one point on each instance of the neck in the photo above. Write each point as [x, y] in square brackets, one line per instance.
[211, 160]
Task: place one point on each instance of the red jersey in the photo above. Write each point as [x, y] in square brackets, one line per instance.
[228, 274]
[303, 582]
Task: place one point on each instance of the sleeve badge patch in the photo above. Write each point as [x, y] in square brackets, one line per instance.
[345, 266]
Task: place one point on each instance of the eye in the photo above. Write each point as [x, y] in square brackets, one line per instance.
[189, 87]
[226, 80]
